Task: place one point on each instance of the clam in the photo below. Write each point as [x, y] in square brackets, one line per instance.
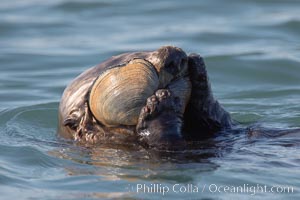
[120, 92]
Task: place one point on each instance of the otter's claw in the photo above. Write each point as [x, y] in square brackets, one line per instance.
[162, 94]
[156, 102]
[151, 104]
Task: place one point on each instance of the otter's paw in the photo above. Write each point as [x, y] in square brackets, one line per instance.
[167, 101]
[198, 72]
[162, 101]
[149, 109]
[162, 94]
[151, 105]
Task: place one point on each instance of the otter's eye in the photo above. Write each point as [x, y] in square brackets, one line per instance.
[172, 68]
[183, 63]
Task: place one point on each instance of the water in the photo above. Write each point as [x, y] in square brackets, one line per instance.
[251, 48]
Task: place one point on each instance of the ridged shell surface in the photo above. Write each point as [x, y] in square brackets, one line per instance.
[119, 93]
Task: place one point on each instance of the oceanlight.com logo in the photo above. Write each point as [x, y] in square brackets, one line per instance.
[251, 189]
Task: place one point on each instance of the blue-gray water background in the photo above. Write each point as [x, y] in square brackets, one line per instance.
[252, 52]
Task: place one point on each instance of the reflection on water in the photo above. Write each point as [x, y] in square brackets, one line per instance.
[252, 52]
[133, 165]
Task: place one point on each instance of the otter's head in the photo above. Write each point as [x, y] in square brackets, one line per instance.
[120, 95]
[170, 63]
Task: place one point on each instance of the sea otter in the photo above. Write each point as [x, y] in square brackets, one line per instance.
[152, 98]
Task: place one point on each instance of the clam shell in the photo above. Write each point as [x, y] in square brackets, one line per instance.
[182, 89]
[120, 92]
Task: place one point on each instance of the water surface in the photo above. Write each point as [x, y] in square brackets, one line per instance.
[252, 52]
